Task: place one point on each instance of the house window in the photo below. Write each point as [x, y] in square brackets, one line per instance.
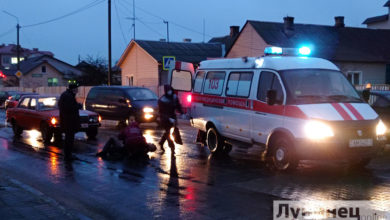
[131, 80]
[52, 82]
[6, 60]
[355, 77]
[43, 69]
[14, 60]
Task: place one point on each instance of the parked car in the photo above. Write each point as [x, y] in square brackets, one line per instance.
[4, 95]
[119, 102]
[13, 100]
[41, 112]
[380, 102]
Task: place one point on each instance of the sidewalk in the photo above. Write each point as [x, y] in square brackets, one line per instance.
[18, 201]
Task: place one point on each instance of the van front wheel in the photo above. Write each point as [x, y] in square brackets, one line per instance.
[282, 157]
[214, 141]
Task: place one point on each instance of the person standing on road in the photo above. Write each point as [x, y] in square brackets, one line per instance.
[69, 117]
[168, 104]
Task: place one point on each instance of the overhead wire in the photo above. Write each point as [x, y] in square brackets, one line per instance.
[7, 32]
[119, 22]
[150, 28]
[171, 22]
[85, 7]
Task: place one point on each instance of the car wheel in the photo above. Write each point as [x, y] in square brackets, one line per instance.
[214, 141]
[16, 129]
[91, 133]
[282, 156]
[46, 132]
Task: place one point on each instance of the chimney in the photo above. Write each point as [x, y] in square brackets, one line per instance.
[162, 40]
[234, 30]
[339, 21]
[288, 23]
[187, 40]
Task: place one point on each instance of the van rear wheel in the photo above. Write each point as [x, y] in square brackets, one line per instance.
[214, 141]
[282, 156]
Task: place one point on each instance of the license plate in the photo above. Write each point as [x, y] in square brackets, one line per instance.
[84, 125]
[361, 142]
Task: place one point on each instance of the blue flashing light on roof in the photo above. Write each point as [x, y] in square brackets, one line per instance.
[304, 51]
[273, 51]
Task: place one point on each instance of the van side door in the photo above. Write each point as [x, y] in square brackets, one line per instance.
[265, 118]
[237, 123]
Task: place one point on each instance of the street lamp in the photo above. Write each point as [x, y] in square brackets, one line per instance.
[17, 38]
[166, 22]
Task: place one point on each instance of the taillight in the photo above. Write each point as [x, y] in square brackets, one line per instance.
[10, 97]
[189, 98]
[53, 121]
[100, 118]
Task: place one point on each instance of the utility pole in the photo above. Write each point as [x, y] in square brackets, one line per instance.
[166, 22]
[134, 19]
[17, 38]
[109, 43]
[17, 46]
[204, 29]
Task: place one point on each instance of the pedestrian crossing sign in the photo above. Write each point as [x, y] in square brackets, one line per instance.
[167, 60]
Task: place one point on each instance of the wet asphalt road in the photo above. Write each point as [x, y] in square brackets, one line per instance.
[192, 185]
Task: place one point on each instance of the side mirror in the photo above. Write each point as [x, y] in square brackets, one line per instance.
[366, 95]
[271, 97]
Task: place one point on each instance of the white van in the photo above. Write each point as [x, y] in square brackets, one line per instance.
[294, 107]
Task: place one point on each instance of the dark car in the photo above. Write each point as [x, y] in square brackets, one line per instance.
[380, 102]
[13, 100]
[120, 102]
[4, 95]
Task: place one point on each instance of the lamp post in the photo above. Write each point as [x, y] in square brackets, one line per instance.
[17, 38]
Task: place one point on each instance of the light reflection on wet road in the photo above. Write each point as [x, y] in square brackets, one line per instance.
[192, 185]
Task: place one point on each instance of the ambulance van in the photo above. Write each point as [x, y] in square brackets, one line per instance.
[295, 107]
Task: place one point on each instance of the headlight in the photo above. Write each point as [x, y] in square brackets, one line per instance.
[148, 110]
[380, 128]
[317, 130]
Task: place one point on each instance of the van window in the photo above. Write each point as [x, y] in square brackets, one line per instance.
[199, 82]
[269, 80]
[214, 83]
[239, 84]
[141, 94]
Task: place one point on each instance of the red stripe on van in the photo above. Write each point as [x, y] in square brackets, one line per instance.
[341, 111]
[242, 103]
[354, 111]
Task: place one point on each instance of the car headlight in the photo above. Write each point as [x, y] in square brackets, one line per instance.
[380, 128]
[148, 110]
[318, 130]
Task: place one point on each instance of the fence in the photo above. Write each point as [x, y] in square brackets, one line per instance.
[53, 90]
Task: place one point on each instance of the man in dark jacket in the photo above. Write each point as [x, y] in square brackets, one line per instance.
[69, 117]
[168, 104]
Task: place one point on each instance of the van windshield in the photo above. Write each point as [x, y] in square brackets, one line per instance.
[310, 86]
[141, 94]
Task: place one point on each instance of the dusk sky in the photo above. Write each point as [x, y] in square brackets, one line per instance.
[85, 33]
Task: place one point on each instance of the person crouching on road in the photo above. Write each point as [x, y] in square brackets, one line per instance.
[168, 104]
[134, 143]
[69, 118]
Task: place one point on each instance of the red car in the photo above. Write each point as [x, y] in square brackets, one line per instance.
[41, 112]
[13, 100]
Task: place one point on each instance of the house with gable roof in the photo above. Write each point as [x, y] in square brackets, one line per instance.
[362, 54]
[141, 62]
